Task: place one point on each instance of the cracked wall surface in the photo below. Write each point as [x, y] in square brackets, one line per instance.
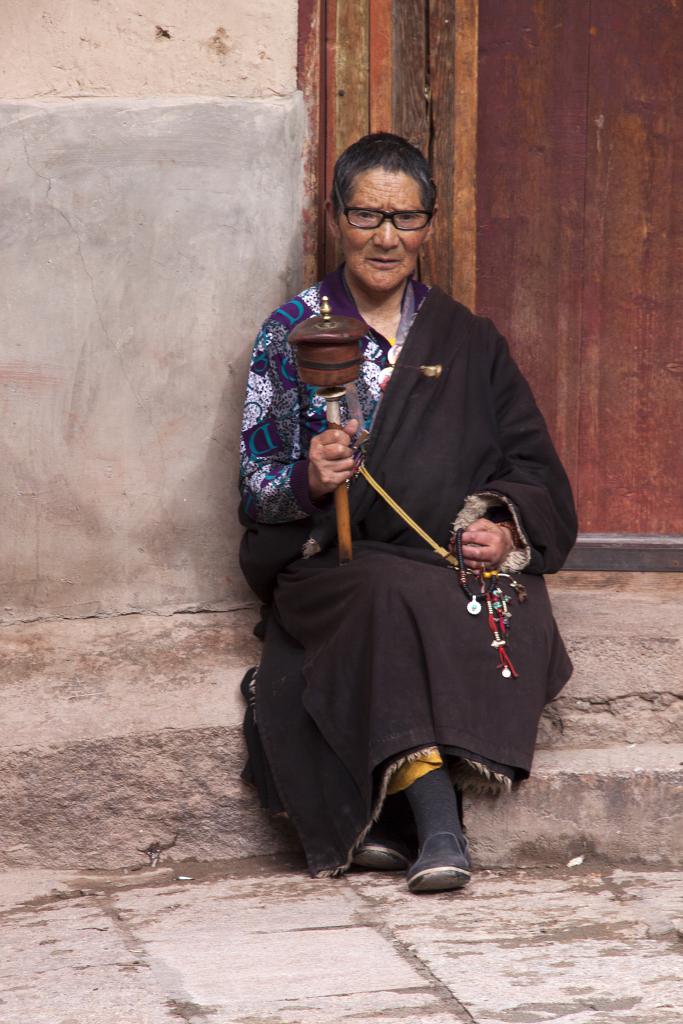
[77, 48]
[143, 241]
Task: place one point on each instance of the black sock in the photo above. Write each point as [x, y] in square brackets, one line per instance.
[434, 804]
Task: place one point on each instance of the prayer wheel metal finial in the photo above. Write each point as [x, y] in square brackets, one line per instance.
[325, 308]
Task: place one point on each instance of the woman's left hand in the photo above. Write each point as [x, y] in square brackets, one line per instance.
[485, 544]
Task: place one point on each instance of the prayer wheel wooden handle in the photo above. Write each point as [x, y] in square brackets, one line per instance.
[341, 494]
[328, 356]
[343, 512]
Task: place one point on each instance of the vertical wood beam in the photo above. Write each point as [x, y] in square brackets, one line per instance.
[450, 257]
[348, 78]
[380, 57]
[438, 259]
[328, 249]
[311, 81]
[464, 232]
[352, 71]
[410, 112]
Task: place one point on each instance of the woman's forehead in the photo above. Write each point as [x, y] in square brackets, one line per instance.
[386, 190]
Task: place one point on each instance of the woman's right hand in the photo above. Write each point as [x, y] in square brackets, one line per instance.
[330, 459]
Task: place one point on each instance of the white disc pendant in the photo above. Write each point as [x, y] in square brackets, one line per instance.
[385, 376]
[506, 673]
[474, 607]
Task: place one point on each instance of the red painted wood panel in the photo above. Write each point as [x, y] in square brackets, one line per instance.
[531, 157]
[631, 466]
[579, 193]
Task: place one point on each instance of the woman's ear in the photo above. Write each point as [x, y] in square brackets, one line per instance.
[332, 219]
[431, 223]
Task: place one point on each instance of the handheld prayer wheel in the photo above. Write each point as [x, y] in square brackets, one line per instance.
[328, 357]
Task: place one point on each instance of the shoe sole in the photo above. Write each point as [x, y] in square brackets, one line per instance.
[379, 858]
[439, 879]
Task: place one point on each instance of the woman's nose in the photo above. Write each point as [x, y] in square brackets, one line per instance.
[386, 235]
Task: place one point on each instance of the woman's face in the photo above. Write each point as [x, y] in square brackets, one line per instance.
[378, 261]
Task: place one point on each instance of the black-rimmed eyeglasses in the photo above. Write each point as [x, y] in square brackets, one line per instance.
[402, 220]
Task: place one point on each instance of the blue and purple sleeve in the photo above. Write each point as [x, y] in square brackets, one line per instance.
[275, 433]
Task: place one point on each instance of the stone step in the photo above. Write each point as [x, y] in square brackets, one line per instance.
[624, 634]
[620, 805]
[121, 732]
[103, 676]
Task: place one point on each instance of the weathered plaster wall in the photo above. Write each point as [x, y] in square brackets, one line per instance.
[143, 241]
[141, 246]
[156, 48]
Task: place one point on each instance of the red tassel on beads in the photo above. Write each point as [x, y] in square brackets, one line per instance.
[505, 665]
[499, 629]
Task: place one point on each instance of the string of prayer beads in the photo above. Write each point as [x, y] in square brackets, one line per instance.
[497, 606]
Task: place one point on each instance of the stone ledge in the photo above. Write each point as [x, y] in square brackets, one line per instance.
[102, 677]
[118, 732]
[621, 804]
[98, 803]
[93, 679]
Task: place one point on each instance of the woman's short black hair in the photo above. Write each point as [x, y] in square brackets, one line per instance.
[391, 153]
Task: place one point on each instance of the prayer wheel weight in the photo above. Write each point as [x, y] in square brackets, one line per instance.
[328, 357]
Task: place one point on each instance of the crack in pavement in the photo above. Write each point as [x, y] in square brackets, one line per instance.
[407, 954]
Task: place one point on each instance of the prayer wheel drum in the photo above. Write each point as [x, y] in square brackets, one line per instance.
[327, 348]
[328, 357]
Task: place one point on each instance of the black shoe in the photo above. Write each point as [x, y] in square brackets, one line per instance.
[443, 863]
[380, 851]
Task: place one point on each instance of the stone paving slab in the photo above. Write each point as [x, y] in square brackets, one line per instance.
[258, 942]
[603, 948]
[71, 966]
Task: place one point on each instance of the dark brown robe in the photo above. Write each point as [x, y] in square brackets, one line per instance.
[367, 662]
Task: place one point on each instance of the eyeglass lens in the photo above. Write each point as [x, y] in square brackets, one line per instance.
[403, 220]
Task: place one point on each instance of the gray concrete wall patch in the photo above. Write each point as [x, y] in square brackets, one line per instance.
[143, 243]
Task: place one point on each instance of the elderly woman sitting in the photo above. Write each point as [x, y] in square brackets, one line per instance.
[391, 683]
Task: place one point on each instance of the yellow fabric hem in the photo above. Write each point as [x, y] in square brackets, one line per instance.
[409, 773]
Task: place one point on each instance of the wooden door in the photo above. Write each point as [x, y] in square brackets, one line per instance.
[555, 134]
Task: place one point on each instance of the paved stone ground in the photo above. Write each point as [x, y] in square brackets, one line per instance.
[257, 942]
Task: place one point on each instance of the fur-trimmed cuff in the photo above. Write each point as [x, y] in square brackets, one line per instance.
[474, 779]
[476, 506]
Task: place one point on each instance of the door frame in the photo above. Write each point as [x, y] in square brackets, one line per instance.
[359, 70]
